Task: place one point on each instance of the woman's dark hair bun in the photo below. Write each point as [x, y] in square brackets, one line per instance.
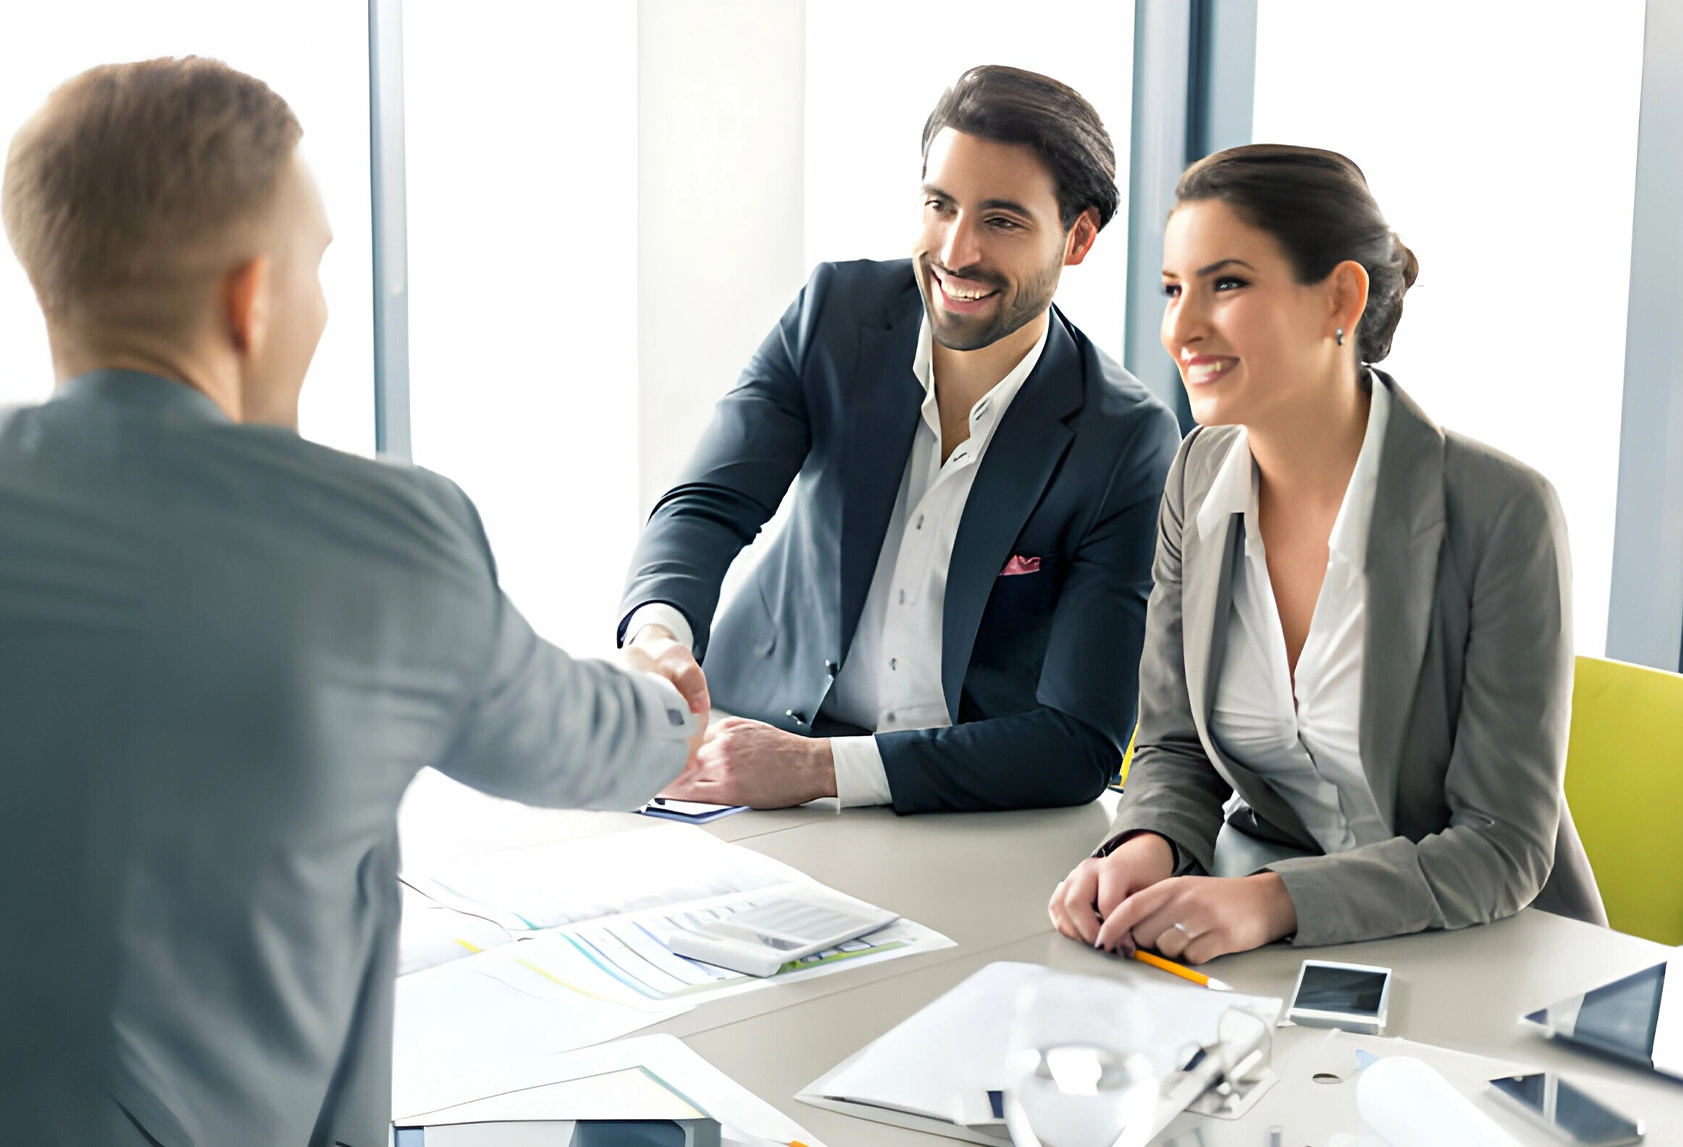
[1318, 207]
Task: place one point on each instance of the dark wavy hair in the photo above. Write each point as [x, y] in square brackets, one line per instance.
[1009, 105]
[1318, 207]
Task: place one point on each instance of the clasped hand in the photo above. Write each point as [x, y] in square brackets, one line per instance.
[1130, 899]
[736, 761]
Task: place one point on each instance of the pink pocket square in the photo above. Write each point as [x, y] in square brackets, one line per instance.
[1020, 565]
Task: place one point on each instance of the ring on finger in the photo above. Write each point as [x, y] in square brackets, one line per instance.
[1184, 931]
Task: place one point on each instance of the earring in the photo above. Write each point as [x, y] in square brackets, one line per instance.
[1340, 336]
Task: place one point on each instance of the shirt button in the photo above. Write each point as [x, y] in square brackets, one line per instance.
[831, 668]
[919, 525]
[893, 663]
[902, 597]
[888, 717]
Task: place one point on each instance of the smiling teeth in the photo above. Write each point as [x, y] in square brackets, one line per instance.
[963, 296]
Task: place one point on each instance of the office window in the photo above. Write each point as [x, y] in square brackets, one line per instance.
[522, 209]
[874, 69]
[315, 54]
[1500, 140]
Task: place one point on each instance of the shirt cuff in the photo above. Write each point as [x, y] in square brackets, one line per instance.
[670, 718]
[659, 613]
[860, 776]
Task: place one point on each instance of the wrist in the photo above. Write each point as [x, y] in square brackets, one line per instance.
[651, 631]
[1279, 913]
[822, 762]
[1148, 852]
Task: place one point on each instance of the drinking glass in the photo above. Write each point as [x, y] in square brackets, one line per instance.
[1077, 1070]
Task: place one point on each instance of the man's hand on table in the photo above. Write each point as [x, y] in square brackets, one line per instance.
[752, 763]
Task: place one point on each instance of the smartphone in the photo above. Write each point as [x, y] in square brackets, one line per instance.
[1571, 1114]
[1354, 997]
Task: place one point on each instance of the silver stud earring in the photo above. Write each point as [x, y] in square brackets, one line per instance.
[1340, 336]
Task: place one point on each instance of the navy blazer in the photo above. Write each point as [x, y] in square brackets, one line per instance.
[1040, 670]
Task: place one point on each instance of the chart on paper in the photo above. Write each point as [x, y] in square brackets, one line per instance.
[626, 958]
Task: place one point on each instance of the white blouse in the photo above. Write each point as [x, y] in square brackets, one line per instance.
[1305, 741]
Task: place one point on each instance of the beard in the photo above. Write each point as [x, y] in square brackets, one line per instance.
[973, 332]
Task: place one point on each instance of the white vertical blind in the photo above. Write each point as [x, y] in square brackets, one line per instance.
[874, 69]
[315, 55]
[522, 208]
[1500, 140]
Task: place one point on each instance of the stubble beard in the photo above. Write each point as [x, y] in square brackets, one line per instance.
[957, 332]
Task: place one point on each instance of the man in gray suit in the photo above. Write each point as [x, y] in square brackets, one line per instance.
[225, 651]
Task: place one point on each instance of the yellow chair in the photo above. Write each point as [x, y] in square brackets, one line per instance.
[1624, 783]
[1127, 759]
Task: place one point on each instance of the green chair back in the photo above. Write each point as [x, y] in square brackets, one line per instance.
[1624, 783]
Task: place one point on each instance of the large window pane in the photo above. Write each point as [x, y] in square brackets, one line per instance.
[522, 208]
[1500, 139]
[316, 56]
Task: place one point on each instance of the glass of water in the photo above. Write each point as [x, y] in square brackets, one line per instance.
[1077, 1073]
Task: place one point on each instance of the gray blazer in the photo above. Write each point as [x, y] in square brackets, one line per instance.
[224, 653]
[1465, 698]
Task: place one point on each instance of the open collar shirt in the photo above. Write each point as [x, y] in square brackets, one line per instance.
[1302, 735]
[892, 676]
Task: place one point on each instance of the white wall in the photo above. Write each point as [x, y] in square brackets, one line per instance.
[720, 207]
[1500, 140]
[522, 208]
[875, 69]
[316, 57]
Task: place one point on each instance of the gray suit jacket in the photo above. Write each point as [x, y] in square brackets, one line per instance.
[1465, 698]
[224, 653]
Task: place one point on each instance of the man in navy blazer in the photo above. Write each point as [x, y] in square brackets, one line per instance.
[953, 616]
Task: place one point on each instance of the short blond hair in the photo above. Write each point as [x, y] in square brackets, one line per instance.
[128, 169]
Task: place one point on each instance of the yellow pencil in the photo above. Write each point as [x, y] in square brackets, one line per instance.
[1181, 970]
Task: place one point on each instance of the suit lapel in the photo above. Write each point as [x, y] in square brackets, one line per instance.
[1403, 547]
[882, 418]
[1025, 450]
[1206, 594]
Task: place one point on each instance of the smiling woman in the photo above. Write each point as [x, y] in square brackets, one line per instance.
[1361, 622]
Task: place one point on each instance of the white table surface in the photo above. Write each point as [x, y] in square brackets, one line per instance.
[983, 879]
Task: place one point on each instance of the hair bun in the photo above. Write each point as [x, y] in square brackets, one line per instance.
[1410, 265]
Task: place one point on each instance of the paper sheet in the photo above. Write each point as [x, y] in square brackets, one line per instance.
[477, 903]
[464, 1028]
[531, 1090]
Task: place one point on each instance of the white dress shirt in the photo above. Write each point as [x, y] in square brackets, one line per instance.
[892, 676]
[1305, 741]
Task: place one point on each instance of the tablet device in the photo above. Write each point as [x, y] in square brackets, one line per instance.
[1637, 1018]
[1354, 997]
[1573, 1116]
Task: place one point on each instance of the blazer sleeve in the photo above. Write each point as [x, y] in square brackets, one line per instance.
[750, 453]
[1173, 789]
[1503, 783]
[545, 729]
[1066, 749]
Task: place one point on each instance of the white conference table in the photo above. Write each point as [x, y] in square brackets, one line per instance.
[983, 880]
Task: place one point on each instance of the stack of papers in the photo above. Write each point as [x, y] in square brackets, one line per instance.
[533, 952]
